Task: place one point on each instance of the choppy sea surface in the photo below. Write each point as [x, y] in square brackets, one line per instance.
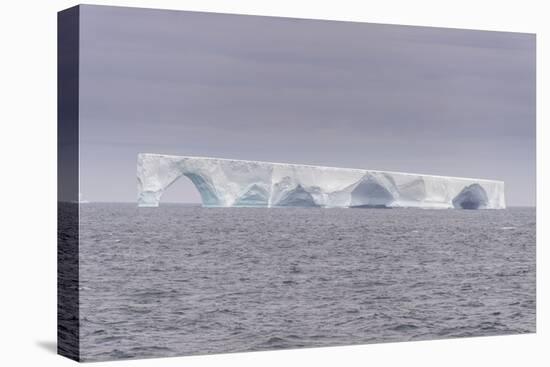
[179, 279]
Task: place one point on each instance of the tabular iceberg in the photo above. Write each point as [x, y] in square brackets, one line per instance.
[239, 183]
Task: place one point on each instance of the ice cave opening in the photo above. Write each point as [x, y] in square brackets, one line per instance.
[471, 197]
[370, 193]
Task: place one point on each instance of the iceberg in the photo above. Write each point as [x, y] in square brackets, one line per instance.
[240, 183]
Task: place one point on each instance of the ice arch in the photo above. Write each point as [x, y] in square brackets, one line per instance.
[205, 190]
[182, 190]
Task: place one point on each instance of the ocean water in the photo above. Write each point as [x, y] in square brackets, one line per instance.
[179, 280]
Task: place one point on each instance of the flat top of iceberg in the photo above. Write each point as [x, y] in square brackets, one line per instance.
[316, 166]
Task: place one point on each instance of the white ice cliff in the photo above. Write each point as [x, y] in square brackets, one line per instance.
[237, 183]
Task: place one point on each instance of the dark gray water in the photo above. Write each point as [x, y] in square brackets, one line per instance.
[178, 280]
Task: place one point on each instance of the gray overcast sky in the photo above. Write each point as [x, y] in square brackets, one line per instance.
[413, 99]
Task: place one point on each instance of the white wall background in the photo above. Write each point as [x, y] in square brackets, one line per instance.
[28, 180]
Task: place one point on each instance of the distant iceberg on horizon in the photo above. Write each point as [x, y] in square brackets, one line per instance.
[240, 183]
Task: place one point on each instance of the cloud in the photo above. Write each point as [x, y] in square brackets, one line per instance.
[420, 99]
